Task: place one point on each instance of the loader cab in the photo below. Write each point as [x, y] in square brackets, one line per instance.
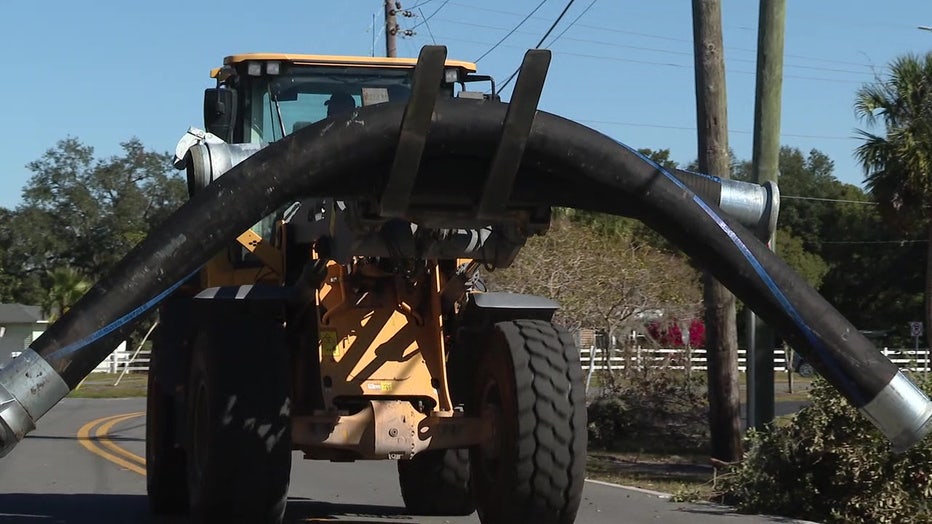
[260, 98]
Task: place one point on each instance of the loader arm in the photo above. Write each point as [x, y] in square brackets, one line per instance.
[561, 163]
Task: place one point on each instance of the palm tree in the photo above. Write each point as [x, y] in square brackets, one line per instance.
[66, 286]
[898, 165]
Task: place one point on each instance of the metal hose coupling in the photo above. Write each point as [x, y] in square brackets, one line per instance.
[901, 411]
[29, 387]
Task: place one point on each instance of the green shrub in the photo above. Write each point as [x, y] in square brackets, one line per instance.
[654, 409]
[829, 464]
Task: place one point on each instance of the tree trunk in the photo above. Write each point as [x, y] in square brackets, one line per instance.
[721, 331]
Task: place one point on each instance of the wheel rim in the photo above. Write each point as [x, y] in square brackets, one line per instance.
[491, 448]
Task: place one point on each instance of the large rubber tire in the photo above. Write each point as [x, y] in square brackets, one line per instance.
[530, 382]
[238, 418]
[436, 483]
[166, 481]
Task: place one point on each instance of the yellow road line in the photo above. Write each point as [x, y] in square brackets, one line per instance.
[96, 443]
[103, 437]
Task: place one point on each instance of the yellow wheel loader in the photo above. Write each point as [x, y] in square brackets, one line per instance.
[345, 330]
[320, 292]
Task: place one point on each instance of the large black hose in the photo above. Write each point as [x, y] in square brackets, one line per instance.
[565, 164]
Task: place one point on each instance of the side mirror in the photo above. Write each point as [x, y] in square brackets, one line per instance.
[220, 112]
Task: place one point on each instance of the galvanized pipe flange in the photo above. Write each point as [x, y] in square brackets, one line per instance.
[29, 387]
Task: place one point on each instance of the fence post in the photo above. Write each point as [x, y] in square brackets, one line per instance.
[591, 368]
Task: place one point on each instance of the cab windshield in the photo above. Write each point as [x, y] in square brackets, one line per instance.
[303, 95]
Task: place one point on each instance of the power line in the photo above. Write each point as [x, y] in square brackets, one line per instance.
[858, 242]
[862, 202]
[666, 64]
[571, 24]
[541, 42]
[650, 49]
[425, 2]
[429, 32]
[690, 66]
[511, 32]
[554, 25]
[427, 18]
[687, 128]
[663, 37]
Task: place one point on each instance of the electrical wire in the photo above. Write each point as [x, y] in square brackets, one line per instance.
[684, 67]
[871, 242]
[554, 25]
[839, 200]
[663, 37]
[511, 32]
[425, 2]
[688, 128]
[650, 49]
[540, 43]
[429, 32]
[427, 18]
[571, 24]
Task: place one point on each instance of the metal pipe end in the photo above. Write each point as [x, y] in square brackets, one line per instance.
[15, 422]
[902, 412]
[29, 387]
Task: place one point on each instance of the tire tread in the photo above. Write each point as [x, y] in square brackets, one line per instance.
[551, 419]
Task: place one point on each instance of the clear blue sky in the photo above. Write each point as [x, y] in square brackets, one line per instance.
[108, 70]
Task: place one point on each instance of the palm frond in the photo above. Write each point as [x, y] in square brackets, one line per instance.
[898, 162]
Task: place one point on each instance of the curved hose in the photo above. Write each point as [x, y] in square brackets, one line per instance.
[565, 164]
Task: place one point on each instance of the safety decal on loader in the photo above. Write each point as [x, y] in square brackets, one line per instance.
[328, 343]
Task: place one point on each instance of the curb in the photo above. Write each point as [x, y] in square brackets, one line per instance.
[667, 496]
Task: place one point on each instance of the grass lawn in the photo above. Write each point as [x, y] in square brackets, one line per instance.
[684, 476]
[100, 385]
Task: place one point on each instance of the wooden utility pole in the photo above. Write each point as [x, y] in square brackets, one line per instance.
[391, 29]
[765, 164]
[721, 331]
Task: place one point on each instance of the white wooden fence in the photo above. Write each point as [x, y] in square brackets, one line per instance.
[910, 359]
[122, 359]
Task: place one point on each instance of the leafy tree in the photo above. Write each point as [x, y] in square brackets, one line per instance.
[832, 229]
[65, 287]
[83, 213]
[809, 265]
[601, 280]
[804, 181]
[898, 164]
[660, 156]
[617, 225]
[807, 176]
[8, 283]
[876, 275]
[830, 464]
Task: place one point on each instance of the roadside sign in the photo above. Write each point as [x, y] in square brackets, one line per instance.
[915, 329]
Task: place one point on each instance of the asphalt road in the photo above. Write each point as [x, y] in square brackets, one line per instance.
[57, 476]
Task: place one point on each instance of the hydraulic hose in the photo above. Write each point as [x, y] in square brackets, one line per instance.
[564, 164]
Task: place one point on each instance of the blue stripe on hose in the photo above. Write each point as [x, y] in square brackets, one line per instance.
[842, 381]
[125, 319]
[703, 175]
[814, 342]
